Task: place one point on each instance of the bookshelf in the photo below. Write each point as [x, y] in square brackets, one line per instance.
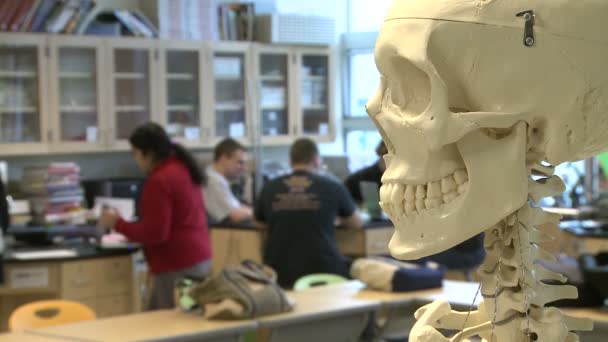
[18, 110]
[17, 74]
[181, 77]
[130, 76]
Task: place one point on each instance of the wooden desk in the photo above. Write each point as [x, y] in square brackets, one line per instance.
[164, 325]
[371, 240]
[231, 245]
[24, 337]
[321, 314]
[104, 281]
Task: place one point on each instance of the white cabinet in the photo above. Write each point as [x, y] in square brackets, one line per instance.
[77, 95]
[275, 114]
[294, 94]
[183, 92]
[133, 80]
[23, 92]
[231, 91]
[315, 96]
[84, 94]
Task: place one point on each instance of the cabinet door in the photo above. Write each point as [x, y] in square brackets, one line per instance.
[315, 94]
[181, 86]
[23, 86]
[230, 88]
[274, 116]
[76, 75]
[132, 75]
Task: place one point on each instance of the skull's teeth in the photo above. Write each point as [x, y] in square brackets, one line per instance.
[400, 200]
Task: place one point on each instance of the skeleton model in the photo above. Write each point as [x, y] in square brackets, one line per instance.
[479, 99]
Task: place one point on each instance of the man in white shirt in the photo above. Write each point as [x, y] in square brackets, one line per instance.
[229, 158]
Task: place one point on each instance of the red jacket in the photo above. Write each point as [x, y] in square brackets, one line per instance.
[173, 224]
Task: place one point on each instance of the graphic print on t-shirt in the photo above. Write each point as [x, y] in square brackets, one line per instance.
[297, 197]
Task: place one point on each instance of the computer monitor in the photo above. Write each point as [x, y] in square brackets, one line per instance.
[371, 199]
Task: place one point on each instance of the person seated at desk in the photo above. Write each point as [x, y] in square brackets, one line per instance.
[299, 210]
[173, 224]
[372, 173]
[229, 159]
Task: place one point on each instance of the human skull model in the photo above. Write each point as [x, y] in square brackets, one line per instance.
[468, 108]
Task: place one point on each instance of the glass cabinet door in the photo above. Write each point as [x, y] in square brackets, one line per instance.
[20, 112]
[230, 109]
[273, 94]
[314, 94]
[77, 86]
[182, 94]
[131, 77]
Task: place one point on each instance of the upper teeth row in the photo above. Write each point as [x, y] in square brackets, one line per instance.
[398, 199]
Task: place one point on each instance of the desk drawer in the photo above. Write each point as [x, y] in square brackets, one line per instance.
[115, 275]
[78, 279]
[108, 306]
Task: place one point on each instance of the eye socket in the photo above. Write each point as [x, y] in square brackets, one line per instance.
[408, 88]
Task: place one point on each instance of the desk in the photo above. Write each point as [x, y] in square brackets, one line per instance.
[233, 244]
[163, 325]
[372, 239]
[23, 337]
[321, 314]
[100, 279]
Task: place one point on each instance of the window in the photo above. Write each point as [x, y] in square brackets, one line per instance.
[366, 15]
[361, 148]
[364, 80]
[361, 80]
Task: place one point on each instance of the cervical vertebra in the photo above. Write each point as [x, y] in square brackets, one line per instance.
[512, 286]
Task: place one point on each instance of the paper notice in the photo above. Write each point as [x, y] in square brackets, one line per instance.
[323, 129]
[91, 134]
[237, 129]
[192, 133]
[29, 277]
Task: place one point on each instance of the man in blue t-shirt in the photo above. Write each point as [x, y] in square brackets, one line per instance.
[300, 212]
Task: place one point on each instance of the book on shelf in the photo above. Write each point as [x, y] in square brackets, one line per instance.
[7, 13]
[78, 17]
[45, 8]
[29, 18]
[19, 15]
[235, 21]
[133, 24]
[61, 16]
[72, 17]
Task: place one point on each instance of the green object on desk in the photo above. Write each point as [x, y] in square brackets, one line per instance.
[603, 158]
[317, 279]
